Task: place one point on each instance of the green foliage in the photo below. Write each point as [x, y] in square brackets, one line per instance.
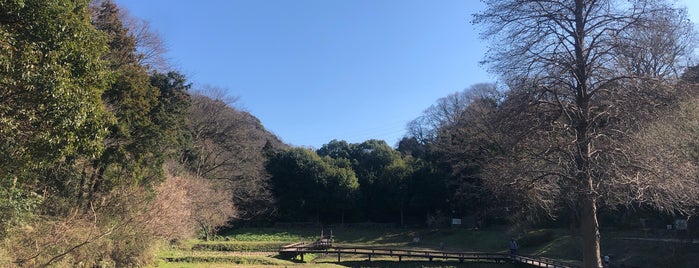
[355, 182]
[241, 260]
[149, 112]
[308, 186]
[170, 115]
[16, 207]
[273, 235]
[239, 246]
[393, 187]
[52, 79]
[536, 238]
[81, 122]
[122, 45]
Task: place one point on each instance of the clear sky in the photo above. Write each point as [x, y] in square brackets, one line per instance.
[317, 70]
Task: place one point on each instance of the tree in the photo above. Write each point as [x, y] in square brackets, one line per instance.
[461, 150]
[149, 112]
[51, 78]
[336, 149]
[562, 58]
[390, 180]
[447, 111]
[340, 188]
[308, 186]
[461, 132]
[210, 204]
[147, 44]
[51, 114]
[411, 146]
[171, 113]
[410, 187]
[229, 145]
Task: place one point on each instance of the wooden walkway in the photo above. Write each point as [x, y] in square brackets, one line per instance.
[325, 247]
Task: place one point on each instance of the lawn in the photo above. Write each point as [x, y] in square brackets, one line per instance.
[251, 247]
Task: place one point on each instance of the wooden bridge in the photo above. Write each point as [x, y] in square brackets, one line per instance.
[324, 246]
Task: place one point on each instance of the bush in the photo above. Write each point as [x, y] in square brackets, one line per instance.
[536, 238]
[16, 207]
[114, 233]
[222, 259]
[238, 246]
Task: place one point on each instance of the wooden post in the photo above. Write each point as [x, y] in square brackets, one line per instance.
[338, 257]
[301, 256]
[369, 257]
[400, 258]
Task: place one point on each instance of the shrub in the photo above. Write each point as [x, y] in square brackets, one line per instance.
[536, 238]
[238, 246]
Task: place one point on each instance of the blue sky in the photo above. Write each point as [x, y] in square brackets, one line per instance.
[317, 70]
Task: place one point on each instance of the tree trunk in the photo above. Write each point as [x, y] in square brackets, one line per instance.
[589, 230]
[80, 190]
[206, 231]
[93, 185]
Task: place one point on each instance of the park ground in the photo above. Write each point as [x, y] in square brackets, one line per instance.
[257, 247]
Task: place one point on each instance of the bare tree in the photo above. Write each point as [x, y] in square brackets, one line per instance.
[211, 205]
[667, 162]
[447, 111]
[579, 89]
[229, 146]
[149, 46]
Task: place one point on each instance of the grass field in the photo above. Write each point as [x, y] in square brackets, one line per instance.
[258, 248]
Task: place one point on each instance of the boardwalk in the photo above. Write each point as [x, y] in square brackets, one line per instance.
[325, 247]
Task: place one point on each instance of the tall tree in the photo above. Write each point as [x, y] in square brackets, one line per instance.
[229, 145]
[135, 32]
[463, 148]
[309, 187]
[51, 80]
[460, 127]
[135, 147]
[564, 58]
[447, 112]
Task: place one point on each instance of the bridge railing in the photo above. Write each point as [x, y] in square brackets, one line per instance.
[542, 261]
[320, 247]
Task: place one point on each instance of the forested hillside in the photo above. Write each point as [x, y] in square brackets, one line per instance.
[104, 151]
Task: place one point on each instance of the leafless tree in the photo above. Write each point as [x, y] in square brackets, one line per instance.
[229, 146]
[567, 62]
[447, 111]
[211, 205]
[665, 169]
[149, 46]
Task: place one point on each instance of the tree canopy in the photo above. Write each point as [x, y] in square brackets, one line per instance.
[568, 61]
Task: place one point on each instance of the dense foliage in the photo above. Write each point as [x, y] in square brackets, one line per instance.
[96, 143]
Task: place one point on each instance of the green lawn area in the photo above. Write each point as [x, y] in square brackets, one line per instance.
[257, 247]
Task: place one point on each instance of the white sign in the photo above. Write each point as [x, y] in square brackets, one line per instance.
[680, 224]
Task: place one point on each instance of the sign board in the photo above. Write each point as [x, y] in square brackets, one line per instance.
[680, 224]
[455, 221]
